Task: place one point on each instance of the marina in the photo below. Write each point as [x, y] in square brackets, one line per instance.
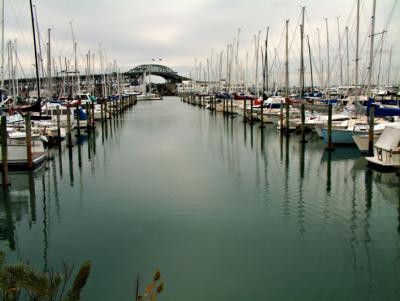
[168, 156]
[259, 215]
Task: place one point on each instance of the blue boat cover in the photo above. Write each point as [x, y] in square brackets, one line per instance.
[381, 110]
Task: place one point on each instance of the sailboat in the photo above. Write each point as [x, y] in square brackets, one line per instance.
[147, 95]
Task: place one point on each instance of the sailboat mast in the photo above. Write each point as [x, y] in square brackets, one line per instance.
[347, 57]
[237, 58]
[2, 44]
[340, 53]
[287, 60]
[357, 45]
[36, 58]
[327, 49]
[49, 64]
[321, 72]
[266, 62]
[256, 53]
[302, 54]
[371, 51]
[311, 71]
[390, 63]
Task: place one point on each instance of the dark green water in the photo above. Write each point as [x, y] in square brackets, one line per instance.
[226, 211]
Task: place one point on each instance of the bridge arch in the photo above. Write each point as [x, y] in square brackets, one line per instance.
[165, 72]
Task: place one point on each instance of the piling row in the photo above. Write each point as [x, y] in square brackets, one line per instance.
[226, 107]
[116, 110]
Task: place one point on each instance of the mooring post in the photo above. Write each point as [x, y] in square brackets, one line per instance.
[69, 135]
[262, 115]
[4, 153]
[371, 131]
[101, 112]
[58, 124]
[92, 107]
[281, 117]
[303, 124]
[251, 111]
[329, 146]
[109, 108]
[78, 126]
[287, 130]
[28, 141]
[223, 106]
[245, 111]
[88, 116]
[232, 107]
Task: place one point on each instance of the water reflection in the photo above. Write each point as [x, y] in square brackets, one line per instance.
[71, 166]
[45, 231]
[297, 197]
[300, 204]
[16, 203]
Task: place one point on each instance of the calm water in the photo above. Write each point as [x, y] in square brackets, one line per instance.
[226, 211]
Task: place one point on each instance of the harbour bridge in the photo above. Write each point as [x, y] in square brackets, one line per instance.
[170, 76]
[133, 76]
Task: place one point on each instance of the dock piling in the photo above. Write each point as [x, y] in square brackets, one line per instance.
[58, 124]
[4, 153]
[69, 138]
[371, 131]
[28, 141]
[329, 146]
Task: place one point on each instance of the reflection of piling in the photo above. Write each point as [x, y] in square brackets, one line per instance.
[303, 124]
[79, 155]
[371, 131]
[28, 141]
[329, 146]
[4, 153]
[71, 167]
[231, 106]
[32, 196]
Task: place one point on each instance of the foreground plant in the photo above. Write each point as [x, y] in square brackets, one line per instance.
[153, 289]
[19, 281]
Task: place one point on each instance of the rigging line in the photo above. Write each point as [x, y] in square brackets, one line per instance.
[19, 63]
[276, 53]
[21, 32]
[389, 18]
[295, 31]
[61, 51]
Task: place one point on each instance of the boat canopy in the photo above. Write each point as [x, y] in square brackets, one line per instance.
[382, 111]
[390, 138]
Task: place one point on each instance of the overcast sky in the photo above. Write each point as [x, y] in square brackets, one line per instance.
[134, 32]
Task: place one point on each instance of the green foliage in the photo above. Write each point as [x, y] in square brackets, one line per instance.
[20, 281]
